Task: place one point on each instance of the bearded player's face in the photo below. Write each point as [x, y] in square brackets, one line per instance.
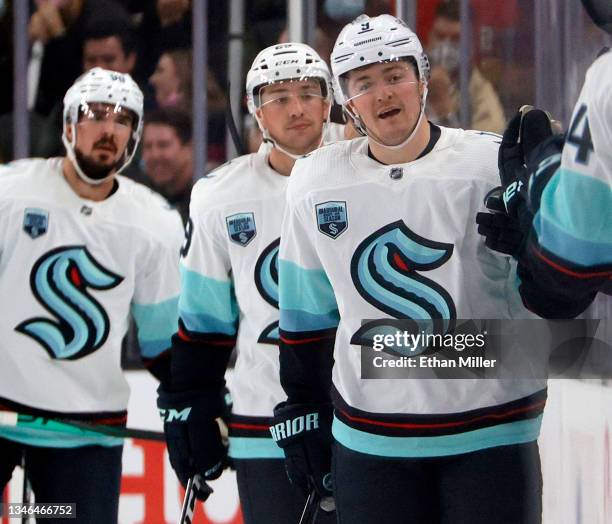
[102, 134]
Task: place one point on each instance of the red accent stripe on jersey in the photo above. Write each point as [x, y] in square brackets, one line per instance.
[255, 427]
[411, 425]
[184, 336]
[303, 341]
[569, 272]
[112, 421]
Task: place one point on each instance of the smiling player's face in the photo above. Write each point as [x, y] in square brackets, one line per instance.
[387, 97]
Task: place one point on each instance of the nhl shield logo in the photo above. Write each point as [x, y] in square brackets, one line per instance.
[35, 222]
[332, 218]
[241, 228]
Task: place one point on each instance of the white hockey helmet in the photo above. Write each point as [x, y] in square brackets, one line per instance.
[367, 41]
[108, 87]
[284, 62]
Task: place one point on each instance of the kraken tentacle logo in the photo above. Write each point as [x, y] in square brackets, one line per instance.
[384, 271]
[266, 280]
[59, 281]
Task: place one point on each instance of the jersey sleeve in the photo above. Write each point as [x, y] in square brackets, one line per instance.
[208, 309]
[308, 313]
[569, 251]
[154, 305]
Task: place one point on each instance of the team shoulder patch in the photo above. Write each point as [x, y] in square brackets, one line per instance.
[332, 218]
[35, 221]
[241, 228]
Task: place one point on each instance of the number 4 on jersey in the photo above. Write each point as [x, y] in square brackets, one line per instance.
[579, 135]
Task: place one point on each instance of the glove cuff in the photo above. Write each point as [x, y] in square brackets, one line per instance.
[177, 406]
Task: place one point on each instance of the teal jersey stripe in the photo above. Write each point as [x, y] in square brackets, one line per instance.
[152, 348]
[291, 320]
[567, 247]
[254, 448]
[156, 324]
[518, 432]
[581, 234]
[207, 324]
[207, 305]
[306, 290]
[57, 439]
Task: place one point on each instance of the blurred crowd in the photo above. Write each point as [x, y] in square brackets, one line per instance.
[151, 40]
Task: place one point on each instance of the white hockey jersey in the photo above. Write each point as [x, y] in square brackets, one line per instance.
[229, 287]
[574, 221]
[71, 272]
[362, 240]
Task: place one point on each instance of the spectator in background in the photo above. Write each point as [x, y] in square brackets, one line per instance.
[171, 79]
[109, 44]
[166, 24]
[172, 83]
[444, 54]
[167, 155]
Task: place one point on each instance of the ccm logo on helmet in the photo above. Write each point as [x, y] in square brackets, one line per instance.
[295, 426]
[286, 62]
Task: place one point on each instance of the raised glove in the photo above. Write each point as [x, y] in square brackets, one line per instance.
[303, 431]
[526, 130]
[192, 434]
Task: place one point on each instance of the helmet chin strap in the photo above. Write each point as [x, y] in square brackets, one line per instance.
[362, 127]
[70, 144]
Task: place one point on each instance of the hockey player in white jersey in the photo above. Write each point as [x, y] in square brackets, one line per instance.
[229, 291]
[377, 229]
[81, 248]
[560, 193]
[557, 217]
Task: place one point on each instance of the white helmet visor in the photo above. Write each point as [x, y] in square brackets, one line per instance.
[100, 113]
[278, 95]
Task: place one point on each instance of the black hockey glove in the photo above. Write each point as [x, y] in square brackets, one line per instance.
[526, 130]
[502, 232]
[192, 434]
[303, 431]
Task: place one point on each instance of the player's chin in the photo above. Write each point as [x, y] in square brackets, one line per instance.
[104, 159]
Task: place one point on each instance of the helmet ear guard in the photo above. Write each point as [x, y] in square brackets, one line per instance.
[106, 87]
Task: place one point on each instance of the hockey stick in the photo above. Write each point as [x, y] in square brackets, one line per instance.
[194, 485]
[311, 508]
[73, 427]
[313, 504]
[231, 125]
[26, 490]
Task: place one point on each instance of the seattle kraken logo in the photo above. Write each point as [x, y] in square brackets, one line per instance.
[266, 280]
[384, 271]
[59, 281]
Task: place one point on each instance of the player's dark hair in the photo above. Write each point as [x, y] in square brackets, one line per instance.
[179, 120]
[115, 25]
